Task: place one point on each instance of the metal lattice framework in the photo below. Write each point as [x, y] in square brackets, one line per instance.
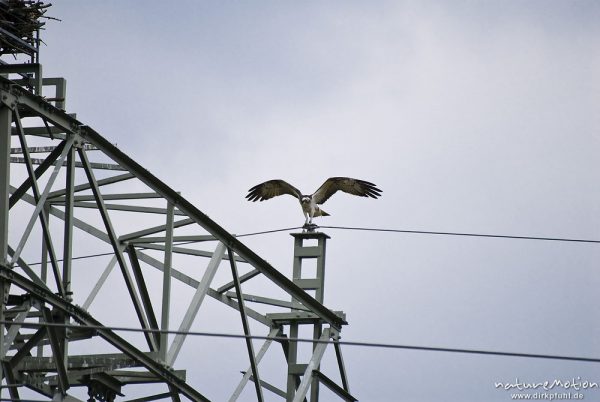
[81, 191]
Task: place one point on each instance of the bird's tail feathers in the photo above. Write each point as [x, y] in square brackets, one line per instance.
[320, 212]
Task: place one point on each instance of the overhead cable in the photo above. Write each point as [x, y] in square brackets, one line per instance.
[405, 231]
[426, 232]
[306, 340]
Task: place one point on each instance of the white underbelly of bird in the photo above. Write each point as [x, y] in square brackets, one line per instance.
[311, 210]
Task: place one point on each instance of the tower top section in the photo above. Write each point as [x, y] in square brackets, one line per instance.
[20, 25]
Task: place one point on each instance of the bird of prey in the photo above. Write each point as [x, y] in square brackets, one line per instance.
[310, 203]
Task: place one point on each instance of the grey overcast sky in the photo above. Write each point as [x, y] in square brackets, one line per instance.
[471, 116]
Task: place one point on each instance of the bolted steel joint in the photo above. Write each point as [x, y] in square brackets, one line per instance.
[8, 99]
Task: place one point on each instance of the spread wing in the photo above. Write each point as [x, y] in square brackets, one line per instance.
[270, 189]
[346, 184]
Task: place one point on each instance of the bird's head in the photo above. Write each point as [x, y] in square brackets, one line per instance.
[305, 199]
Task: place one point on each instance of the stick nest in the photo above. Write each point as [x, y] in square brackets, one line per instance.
[20, 23]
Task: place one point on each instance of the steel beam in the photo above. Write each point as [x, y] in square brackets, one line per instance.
[39, 171]
[40, 107]
[341, 365]
[127, 196]
[53, 133]
[180, 276]
[266, 300]
[14, 329]
[145, 296]
[128, 208]
[166, 291]
[59, 362]
[100, 282]
[102, 361]
[68, 221]
[11, 379]
[87, 186]
[243, 278]
[32, 150]
[5, 124]
[163, 239]
[137, 377]
[154, 229]
[3, 299]
[27, 269]
[60, 92]
[195, 304]
[291, 354]
[189, 251]
[329, 383]
[248, 373]
[25, 350]
[313, 364]
[249, 345]
[249, 312]
[24, 69]
[20, 44]
[269, 387]
[95, 165]
[113, 240]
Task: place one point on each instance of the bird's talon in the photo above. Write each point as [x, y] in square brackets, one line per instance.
[310, 227]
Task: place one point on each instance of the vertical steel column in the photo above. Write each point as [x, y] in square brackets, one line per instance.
[248, 373]
[67, 246]
[313, 364]
[68, 232]
[319, 295]
[314, 283]
[3, 348]
[43, 274]
[166, 296]
[292, 361]
[5, 133]
[240, 298]
[340, 360]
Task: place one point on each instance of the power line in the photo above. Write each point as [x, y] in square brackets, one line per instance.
[463, 234]
[79, 258]
[306, 340]
[245, 235]
[406, 231]
[175, 244]
[268, 231]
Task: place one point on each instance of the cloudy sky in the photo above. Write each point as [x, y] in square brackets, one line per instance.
[470, 116]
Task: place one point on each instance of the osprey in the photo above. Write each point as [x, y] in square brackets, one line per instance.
[310, 203]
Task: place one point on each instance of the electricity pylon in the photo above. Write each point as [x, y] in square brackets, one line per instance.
[67, 192]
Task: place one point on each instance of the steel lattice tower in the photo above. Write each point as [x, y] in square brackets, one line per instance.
[80, 193]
